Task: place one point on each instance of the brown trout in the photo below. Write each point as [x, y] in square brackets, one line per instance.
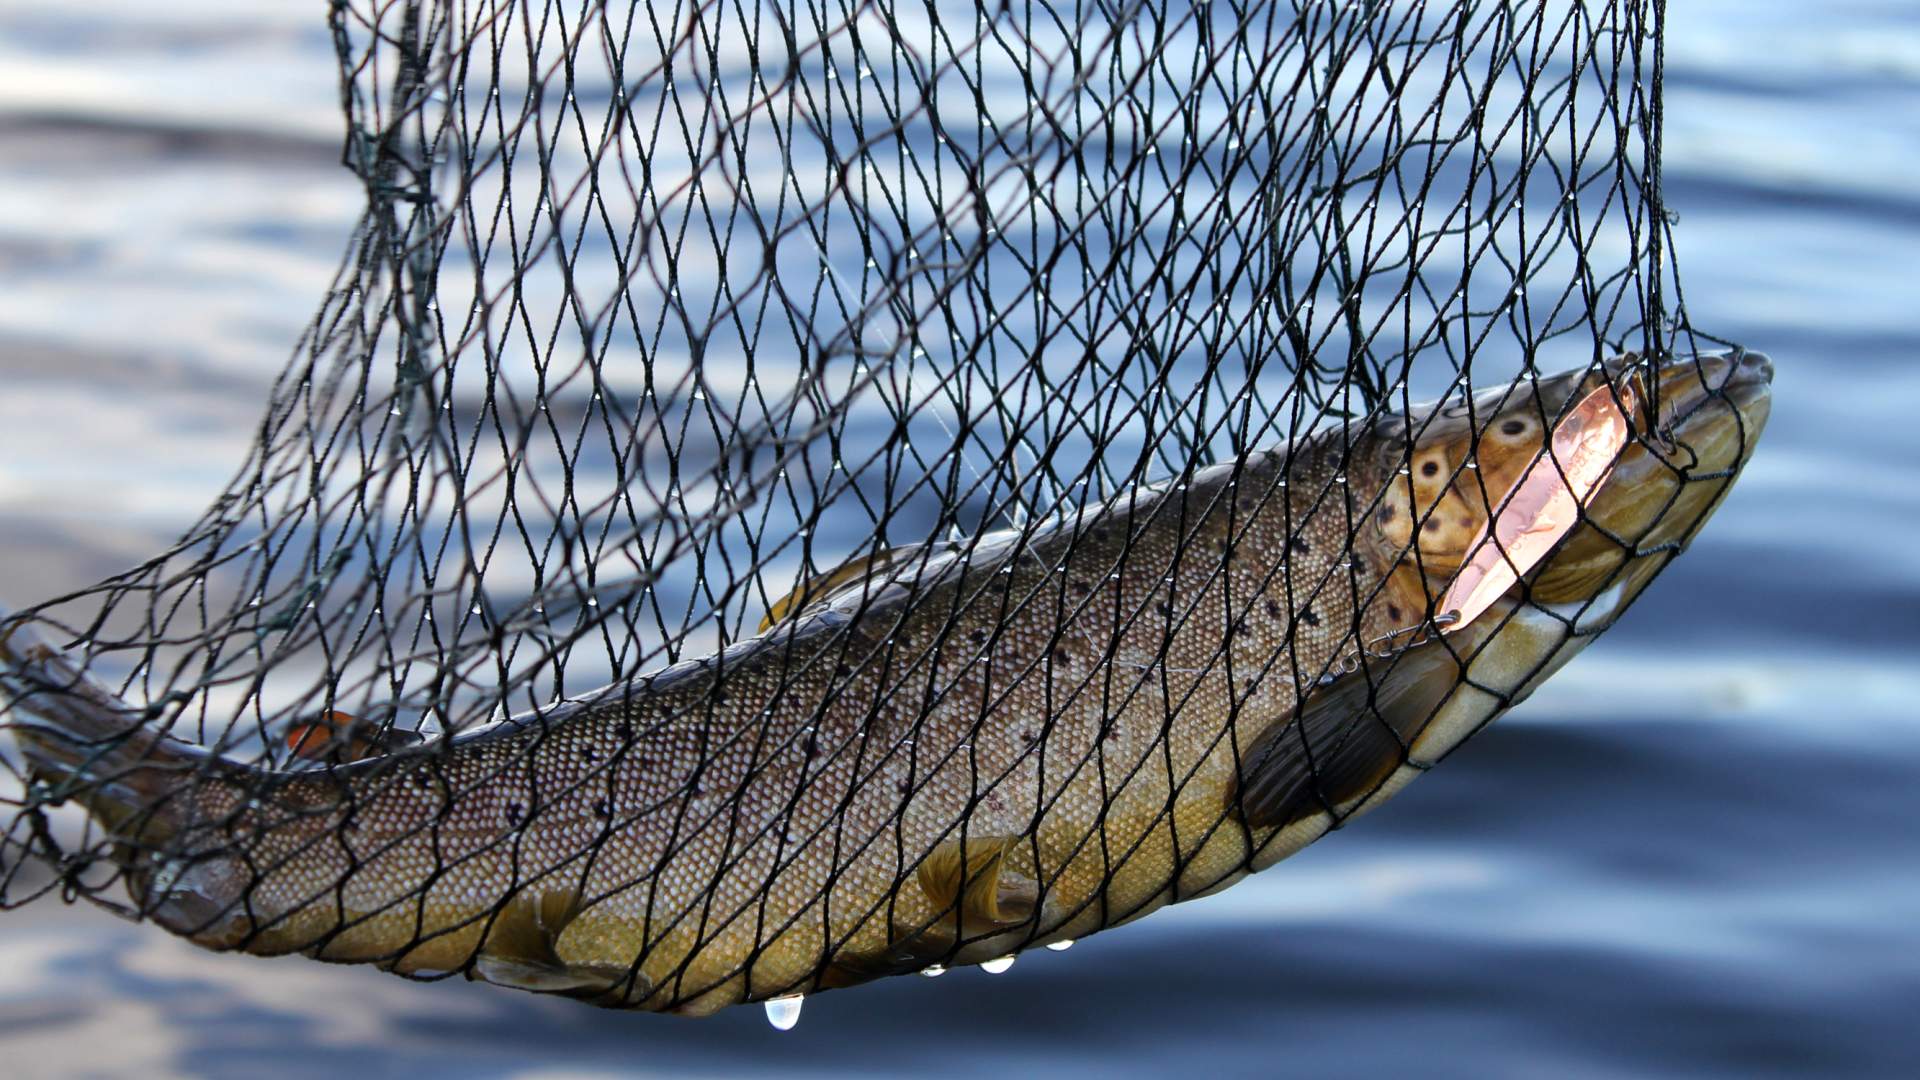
[945, 755]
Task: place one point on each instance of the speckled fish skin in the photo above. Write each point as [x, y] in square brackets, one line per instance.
[1065, 719]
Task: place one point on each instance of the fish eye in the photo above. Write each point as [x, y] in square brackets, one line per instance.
[1515, 426]
[1431, 468]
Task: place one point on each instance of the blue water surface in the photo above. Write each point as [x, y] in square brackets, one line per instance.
[1694, 853]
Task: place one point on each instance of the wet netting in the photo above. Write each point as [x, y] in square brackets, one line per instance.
[658, 315]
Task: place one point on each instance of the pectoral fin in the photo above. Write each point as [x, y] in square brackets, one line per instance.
[1346, 738]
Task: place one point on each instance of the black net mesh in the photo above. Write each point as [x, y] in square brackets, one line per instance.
[657, 313]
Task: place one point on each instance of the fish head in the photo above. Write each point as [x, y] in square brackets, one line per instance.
[1573, 483]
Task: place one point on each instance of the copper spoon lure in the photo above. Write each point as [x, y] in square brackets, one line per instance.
[1544, 505]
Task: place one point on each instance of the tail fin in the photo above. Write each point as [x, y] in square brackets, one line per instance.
[82, 741]
[91, 747]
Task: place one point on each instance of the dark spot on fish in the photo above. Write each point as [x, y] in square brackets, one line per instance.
[1466, 523]
[1165, 609]
[1393, 612]
[1274, 610]
[1310, 617]
[696, 789]
[1386, 514]
[1027, 737]
[601, 808]
[1431, 468]
[590, 754]
[515, 812]
[902, 787]
[810, 746]
[841, 671]
[1061, 656]
[624, 731]
[1079, 585]
[1430, 525]
[422, 780]
[978, 636]
[1513, 427]
[646, 763]
[1297, 544]
[1239, 626]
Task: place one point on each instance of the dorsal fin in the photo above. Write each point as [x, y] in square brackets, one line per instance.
[1347, 736]
[821, 586]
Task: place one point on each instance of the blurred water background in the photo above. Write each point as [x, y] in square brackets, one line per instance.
[1692, 854]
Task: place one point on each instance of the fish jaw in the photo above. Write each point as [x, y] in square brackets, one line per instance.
[1667, 483]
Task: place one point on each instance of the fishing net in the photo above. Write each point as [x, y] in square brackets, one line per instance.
[657, 312]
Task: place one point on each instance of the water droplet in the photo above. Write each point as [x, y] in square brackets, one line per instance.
[933, 972]
[997, 965]
[593, 601]
[475, 609]
[1060, 946]
[784, 1012]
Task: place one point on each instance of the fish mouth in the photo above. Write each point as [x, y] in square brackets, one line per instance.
[1708, 412]
[1694, 395]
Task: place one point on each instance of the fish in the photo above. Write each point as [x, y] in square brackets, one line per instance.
[947, 754]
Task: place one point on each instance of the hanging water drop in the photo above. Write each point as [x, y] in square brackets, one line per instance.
[997, 965]
[784, 1012]
[1060, 946]
[933, 971]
